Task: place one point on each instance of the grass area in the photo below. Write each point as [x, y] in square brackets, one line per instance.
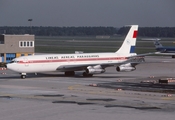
[91, 44]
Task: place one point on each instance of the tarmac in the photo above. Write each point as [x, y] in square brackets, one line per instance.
[112, 95]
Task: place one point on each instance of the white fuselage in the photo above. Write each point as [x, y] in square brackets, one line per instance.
[54, 62]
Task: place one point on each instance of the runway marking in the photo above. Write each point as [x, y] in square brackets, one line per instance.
[73, 86]
[165, 61]
[167, 98]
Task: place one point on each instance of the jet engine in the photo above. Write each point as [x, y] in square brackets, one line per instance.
[125, 68]
[95, 69]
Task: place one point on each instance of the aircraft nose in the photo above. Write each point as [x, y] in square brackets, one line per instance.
[8, 66]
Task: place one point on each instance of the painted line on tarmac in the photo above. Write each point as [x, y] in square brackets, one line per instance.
[72, 87]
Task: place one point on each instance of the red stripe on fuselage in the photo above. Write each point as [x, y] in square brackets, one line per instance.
[71, 60]
[135, 34]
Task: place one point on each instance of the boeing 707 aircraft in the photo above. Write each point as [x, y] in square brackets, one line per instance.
[91, 63]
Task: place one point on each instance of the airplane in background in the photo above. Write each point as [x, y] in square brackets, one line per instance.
[163, 50]
[90, 63]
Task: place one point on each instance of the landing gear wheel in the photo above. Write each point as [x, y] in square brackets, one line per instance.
[69, 73]
[23, 76]
[87, 75]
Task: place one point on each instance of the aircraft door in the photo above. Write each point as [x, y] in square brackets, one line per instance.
[26, 62]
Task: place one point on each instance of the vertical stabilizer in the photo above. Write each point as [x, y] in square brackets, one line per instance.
[157, 44]
[129, 43]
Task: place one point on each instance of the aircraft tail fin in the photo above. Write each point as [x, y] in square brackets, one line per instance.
[129, 43]
[157, 44]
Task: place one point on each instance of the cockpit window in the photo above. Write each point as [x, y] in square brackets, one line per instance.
[14, 61]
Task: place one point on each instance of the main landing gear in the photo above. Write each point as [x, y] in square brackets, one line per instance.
[87, 75]
[69, 73]
[72, 73]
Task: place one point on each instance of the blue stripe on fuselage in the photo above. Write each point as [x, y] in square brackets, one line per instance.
[132, 49]
[166, 49]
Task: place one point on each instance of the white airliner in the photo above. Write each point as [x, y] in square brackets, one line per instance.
[90, 63]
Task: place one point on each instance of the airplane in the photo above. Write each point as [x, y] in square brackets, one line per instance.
[163, 50]
[124, 59]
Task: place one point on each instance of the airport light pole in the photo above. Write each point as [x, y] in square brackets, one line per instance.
[30, 20]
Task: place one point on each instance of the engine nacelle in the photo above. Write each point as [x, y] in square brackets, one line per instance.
[125, 68]
[94, 71]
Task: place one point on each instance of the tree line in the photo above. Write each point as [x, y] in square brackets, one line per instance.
[88, 31]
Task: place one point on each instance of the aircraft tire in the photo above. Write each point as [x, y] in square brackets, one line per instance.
[69, 73]
[87, 75]
[23, 76]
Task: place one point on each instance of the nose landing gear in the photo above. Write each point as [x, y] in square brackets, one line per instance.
[23, 75]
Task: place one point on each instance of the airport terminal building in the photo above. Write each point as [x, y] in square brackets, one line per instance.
[12, 46]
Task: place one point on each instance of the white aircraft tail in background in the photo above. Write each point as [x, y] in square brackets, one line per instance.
[91, 63]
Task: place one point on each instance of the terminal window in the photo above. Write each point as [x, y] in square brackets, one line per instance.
[1, 41]
[26, 43]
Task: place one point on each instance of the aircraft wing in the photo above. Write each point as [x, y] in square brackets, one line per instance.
[133, 60]
[64, 68]
[142, 55]
[162, 53]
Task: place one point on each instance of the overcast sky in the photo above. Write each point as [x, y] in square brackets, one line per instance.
[115, 13]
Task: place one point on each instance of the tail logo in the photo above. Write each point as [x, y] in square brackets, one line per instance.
[128, 42]
[135, 34]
